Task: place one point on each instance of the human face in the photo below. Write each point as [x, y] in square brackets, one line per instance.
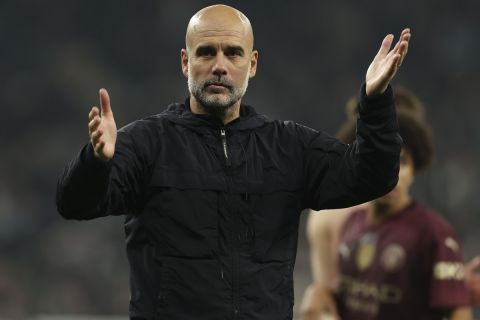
[218, 63]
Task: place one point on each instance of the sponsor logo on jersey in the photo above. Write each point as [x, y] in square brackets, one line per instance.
[393, 257]
[446, 270]
[365, 252]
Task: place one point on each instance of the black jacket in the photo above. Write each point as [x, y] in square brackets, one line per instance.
[212, 211]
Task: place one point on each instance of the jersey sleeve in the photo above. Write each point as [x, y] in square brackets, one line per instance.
[447, 284]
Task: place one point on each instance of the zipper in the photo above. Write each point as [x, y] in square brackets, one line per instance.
[235, 308]
[223, 136]
[235, 281]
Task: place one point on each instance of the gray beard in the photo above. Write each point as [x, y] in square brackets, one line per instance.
[216, 106]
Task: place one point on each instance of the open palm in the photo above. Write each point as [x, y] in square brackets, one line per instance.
[386, 63]
[102, 128]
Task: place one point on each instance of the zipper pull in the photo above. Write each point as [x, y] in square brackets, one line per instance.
[223, 136]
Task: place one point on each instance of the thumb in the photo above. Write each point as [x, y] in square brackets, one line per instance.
[106, 109]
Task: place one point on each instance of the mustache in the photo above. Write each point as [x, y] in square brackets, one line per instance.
[218, 81]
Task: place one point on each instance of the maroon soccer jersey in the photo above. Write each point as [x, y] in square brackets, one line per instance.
[409, 266]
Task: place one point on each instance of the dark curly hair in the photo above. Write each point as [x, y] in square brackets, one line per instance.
[404, 100]
[415, 132]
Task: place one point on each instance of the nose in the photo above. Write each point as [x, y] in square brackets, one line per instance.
[220, 68]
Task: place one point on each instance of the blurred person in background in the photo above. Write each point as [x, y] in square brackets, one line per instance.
[212, 191]
[391, 258]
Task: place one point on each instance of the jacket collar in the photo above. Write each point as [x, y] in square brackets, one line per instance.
[180, 113]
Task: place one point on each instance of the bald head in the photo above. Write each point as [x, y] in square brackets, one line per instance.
[218, 61]
[219, 20]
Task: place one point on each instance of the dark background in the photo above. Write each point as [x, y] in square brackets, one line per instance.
[55, 55]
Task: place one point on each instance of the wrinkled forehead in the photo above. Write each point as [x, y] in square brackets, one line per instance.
[219, 25]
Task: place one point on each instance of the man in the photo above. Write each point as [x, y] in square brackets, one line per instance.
[212, 191]
[396, 258]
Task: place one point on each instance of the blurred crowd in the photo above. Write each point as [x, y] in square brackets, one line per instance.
[313, 55]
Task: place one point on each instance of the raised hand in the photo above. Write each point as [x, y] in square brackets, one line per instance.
[102, 128]
[386, 63]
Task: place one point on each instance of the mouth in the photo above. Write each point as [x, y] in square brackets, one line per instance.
[217, 86]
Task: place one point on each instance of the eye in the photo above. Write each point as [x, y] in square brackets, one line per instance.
[234, 52]
[206, 52]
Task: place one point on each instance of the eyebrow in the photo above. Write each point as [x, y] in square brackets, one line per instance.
[208, 47]
[235, 48]
[204, 49]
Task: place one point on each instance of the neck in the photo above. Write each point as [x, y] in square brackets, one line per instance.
[225, 115]
[379, 210]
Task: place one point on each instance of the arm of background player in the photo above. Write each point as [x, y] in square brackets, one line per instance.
[323, 229]
[461, 313]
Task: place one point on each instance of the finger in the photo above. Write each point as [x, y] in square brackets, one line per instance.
[404, 32]
[405, 35]
[94, 112]
[95, 137]
[93, 125]
[402, 44]
[385, 47]
[403, 49]
[105, 102]
[99, 147]
[392, 66]
[405, 40]
[392, 52]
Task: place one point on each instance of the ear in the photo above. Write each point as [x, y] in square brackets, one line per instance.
[253, 63]
[184, 61]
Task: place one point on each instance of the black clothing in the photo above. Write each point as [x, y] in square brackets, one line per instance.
[212, 210]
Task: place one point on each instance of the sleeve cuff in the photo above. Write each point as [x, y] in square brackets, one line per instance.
[88, 158]
[381, 105]
[376, 101]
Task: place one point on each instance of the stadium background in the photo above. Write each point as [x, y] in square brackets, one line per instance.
[55, 55]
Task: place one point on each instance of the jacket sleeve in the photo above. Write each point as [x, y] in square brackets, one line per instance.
[89, 187]
[339, 175]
